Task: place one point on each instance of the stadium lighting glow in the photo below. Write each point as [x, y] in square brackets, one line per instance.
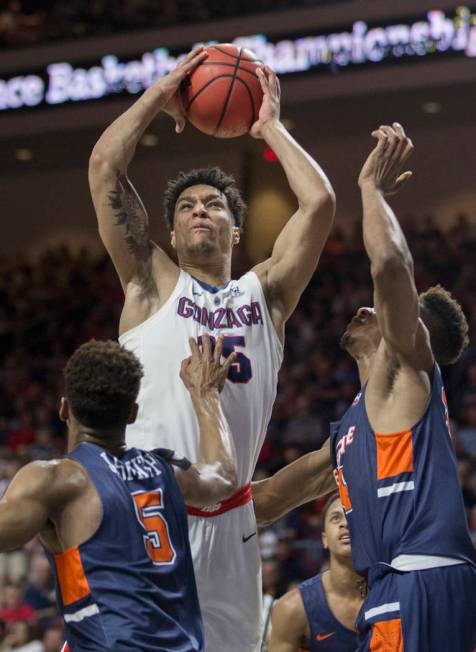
[23, 154]
[431, 107]
[435, 33]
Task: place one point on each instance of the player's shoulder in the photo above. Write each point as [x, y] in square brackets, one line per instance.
[289, 619]
[290, 605]
[69, 476]
[60, 477]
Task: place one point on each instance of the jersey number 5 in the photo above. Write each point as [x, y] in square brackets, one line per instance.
[240, 370]
[157, 542]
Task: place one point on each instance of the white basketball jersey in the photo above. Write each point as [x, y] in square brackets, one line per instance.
[239, 312]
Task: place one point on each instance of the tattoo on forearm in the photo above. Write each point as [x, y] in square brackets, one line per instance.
[129, 213]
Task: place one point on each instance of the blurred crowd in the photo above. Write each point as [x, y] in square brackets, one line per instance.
[28, 22]
[49, 307]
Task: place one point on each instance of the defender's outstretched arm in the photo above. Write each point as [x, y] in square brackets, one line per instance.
[305, 479]
[395, 294]
[122, 218]
[299, 245]
[214, 477]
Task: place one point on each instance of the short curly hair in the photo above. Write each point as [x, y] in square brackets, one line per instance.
[211, 176]
[102, 382]
[446, 323]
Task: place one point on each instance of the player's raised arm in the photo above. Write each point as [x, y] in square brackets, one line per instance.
[297, 483]
[395, 294]
[299, 245]
[35, 494]
[122, 218]
[215, 477]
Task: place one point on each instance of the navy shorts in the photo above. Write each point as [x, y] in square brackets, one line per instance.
[420, 611]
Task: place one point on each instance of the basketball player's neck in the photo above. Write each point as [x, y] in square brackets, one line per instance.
[112, 441]
[342, 577]
[214, 270]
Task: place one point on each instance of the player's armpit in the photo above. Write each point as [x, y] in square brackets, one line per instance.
[305, 479]
[289, 624]
[32, 497]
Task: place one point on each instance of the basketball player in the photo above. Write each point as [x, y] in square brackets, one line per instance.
[112, 520]
[392, 449]
[166, 303]
[320, 614]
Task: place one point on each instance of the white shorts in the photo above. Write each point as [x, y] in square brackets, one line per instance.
[227, 566]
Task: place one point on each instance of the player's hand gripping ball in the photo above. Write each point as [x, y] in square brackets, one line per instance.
[222, 96]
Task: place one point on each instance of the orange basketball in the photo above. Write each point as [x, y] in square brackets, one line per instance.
[222, 96]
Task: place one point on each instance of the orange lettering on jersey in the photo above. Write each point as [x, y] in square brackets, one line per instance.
[345, 441]
[387, 636]
[394, 454]
[343, 491]
[71, 578]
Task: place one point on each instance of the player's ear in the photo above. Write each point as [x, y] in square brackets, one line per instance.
[236, 235]
[64, 409]
[324, 540]
[132, 416]
[172, 239]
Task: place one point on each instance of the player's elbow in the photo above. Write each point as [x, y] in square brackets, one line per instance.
[101, 166]
[268, 505]
[263, 519]
[233, 483]
[228, 483]
[391, 264]
[322, 204]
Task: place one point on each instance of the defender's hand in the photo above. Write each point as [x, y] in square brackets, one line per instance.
[202, 371]
[270, 107]
[170, 86]
[383, 167]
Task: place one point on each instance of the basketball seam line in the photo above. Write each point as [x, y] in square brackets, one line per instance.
[230, 90]
[231, 65]
[210, 81]
[233, 56]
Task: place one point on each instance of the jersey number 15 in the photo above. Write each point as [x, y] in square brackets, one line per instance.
[240, 370]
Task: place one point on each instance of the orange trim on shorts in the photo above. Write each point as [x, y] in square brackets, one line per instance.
[394, 454]
[387, 636]
[71, 578]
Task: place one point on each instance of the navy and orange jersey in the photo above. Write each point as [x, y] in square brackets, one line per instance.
[400, 491]
[327, 633]
[131, 586]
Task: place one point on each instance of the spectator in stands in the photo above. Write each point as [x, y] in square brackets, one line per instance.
[14, 607]
[40, 590]
[21, 638]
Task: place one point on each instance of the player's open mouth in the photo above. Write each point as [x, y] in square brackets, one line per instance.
[344, 538]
